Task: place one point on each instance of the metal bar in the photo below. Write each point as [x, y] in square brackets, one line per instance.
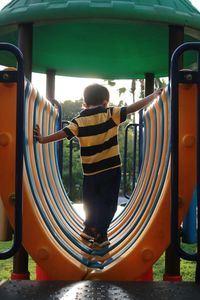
[140, 138]
[59, 127]
[174, 154]
[8, 76]
[197, 275]
[19, 150]
[61, 158]
[70, 164]
[25, 43]
[134, 155]
[176, 38]
[50, 86]
[61, 146]
[135, 126]
[137, 151]
[125, 160]
[20, 265]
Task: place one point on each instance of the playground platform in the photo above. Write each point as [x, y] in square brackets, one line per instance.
[97, 290]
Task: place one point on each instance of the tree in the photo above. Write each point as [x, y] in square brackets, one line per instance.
[71, 108]
[72, 185]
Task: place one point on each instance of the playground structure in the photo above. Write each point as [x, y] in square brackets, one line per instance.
[142, 232]
[132, 248]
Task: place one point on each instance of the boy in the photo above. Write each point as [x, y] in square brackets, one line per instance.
[96, 128]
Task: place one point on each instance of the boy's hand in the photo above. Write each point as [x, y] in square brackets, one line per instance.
[158, 92]
[37, 134]
[143, 103]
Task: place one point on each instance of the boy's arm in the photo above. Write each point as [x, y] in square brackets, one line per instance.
[59, 135]
[142, 103]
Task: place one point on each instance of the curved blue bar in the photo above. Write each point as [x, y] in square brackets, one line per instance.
[19, 148]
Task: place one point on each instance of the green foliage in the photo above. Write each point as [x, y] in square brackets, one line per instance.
[73, 184]
[187, 268]
[6, 266]
[111, 82]
[71, 108]
[130, 171]
[121, 90]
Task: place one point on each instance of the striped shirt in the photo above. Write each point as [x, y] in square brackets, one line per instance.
[97, 129]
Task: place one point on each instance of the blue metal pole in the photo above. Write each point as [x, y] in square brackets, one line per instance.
[197, 275]
[174, 156]
[19, 149]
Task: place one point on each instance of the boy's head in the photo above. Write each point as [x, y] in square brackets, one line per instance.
[96, 94]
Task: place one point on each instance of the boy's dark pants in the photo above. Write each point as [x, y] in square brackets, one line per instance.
[100, 198]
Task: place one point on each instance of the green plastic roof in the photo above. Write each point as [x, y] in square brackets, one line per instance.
[99, 38]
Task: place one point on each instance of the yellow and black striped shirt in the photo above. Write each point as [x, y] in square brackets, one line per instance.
[97, 129]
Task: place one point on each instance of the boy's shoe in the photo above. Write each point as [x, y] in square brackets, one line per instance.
[88, 234]
[101, 240]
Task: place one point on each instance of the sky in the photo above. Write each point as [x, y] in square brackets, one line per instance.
[75, 86]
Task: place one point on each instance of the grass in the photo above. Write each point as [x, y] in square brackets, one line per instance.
[6, 265]
[187, 267]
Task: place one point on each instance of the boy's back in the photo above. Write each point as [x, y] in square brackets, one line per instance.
[97, 129]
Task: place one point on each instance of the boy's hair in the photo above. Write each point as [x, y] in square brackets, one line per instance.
[95, 94]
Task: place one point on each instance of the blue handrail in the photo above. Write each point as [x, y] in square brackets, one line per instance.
[18, 77]
[175, 79]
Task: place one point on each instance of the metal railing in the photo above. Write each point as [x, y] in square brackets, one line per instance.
[73, 143]
[59, 127]
[17, 76]
[176, 78]
[135, 158]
